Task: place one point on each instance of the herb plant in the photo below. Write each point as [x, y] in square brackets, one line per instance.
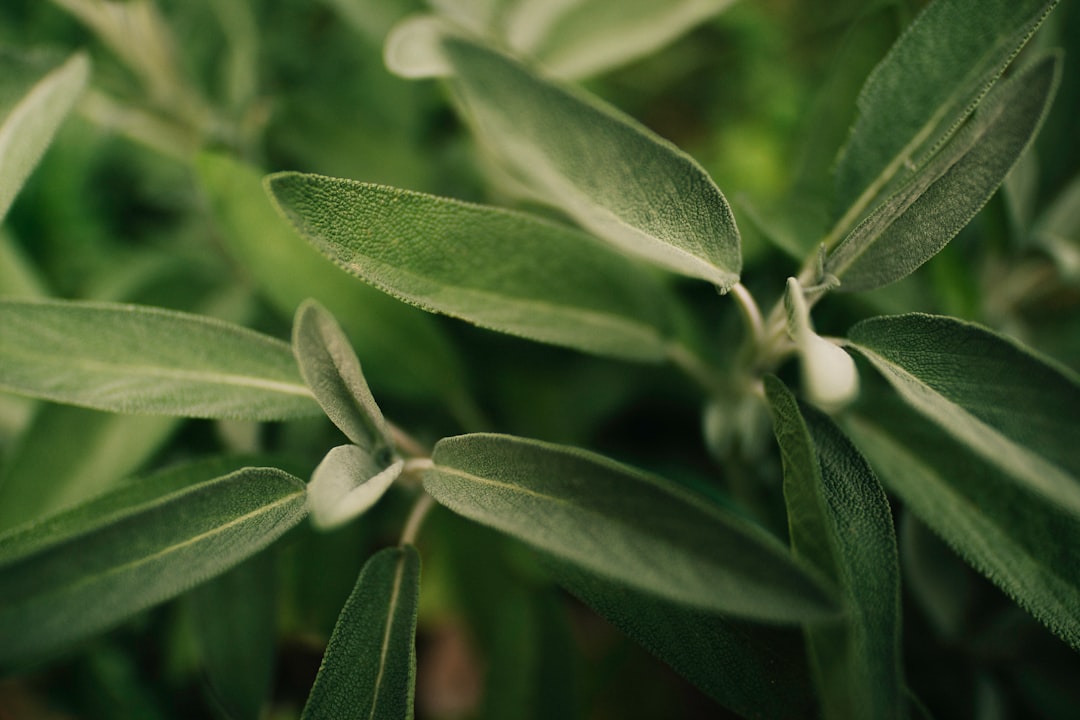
[879, 523]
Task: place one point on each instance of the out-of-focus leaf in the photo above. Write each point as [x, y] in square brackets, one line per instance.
[137, 359]
[612, 175]
[913, 224]
[624, 525]
[347, 482]
[840, 520]
[29, 125]
[369, 669]
[931, 79]
[499, 269]
[57, 593]
[1057, 231]
[404, 350]
[18, 278]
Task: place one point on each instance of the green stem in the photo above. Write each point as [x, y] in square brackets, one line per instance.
[416, 519]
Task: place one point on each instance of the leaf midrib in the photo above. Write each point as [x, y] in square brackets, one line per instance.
[384, 651]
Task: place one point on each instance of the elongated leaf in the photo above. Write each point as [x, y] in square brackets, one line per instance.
[346, 483]
[612, 175]
[58, 594]
[929, 82]
[498, 269]
[332, 371]
[29, 126]
[1005, 403]
[917, 221]
[128, 358]
[840, 520]
[624, 525]
[404, 350]
[369, 669]
[756, 670]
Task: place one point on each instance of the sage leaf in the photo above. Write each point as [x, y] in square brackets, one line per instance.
[369, 669]
[63, 592]
[1008, 405]
[332, 371]
[840, 520]
[30, 124]
[928, 83]
[624, 525]
[137, 359]
[917, 221]
[830, 378]
[613, 176]
[346, 483]
[498, 269]
[404, 350]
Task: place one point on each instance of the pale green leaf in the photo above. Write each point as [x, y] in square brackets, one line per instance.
[1008, 405]
[136, 359]
[612, 175]
[931, 79]
[332, 371]
[625, 525]
[346, 483]
[829, 376]
[499, 269]
[840, 520]
[369, 669]
[917, 221]
[29, 126]
[404, 350]
[63, 592]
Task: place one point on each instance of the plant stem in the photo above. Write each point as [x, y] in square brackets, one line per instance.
[407, 443]
[416, 518]
[751, 313]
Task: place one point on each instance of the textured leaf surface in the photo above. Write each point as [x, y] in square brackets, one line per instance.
[929, 82]
[502, 270]
[347, 482]
[30, 124]
[128, 358]
[57, 592]
[840, 520]
[612, 175]
[913, 224]
[404, 350]
[369, 669]
[624, 525]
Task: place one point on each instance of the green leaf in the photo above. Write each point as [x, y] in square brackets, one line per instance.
[29, 126]
[57, 592]
[404, 350]
[347, 483]
[754, 669]
[369, 670]
[1008, 405]
[332, 371]
[840, 520]
[501, 270]
[624, 525]
[917, 221]
[612, 175]
[135, 359]
[931, 79]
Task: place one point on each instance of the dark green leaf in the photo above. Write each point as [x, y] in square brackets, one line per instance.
[57, 592]
[128, 358]
[913, 224]
[369, 669]
[502, 270]
[625, 525]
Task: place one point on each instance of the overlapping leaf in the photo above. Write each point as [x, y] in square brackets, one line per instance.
[626, 526]
[127, 358]
[502, 270]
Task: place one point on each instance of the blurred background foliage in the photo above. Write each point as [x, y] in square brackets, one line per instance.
[151, 194]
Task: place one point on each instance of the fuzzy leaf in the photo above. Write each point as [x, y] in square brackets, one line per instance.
[332, 371]
[501, 270]
[916, 222]
[369, 669]
[931, 80]
[840, 520]
[55, 592]
[346, 483]
[29, 126]
[137, 359]
[612, 175]
[624, 525]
